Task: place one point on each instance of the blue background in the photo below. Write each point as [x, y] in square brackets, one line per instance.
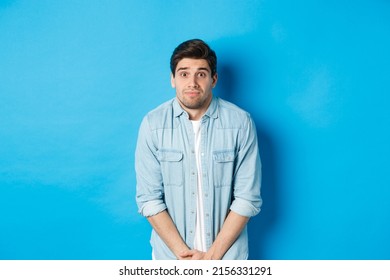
[76, 78]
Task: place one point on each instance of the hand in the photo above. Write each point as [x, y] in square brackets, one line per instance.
[192, 255]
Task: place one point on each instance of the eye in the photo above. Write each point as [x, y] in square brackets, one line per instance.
[183, 74]
[202, 74]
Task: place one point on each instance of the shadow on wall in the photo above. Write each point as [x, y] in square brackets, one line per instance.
[260, 225]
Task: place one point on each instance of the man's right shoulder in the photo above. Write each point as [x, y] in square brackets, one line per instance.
[157, 118]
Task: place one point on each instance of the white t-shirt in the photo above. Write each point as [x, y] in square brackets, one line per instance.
[199, 242]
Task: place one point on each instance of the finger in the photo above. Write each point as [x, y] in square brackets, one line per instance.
[186, 253]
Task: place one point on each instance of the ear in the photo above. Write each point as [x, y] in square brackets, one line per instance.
[173, 83]
[215, 79]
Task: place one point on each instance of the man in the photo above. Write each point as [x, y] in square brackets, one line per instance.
[198, 166]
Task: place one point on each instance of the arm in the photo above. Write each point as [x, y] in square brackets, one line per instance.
[150, 191]
[165, 228]
[231, 229]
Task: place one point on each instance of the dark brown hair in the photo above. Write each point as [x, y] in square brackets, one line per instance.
[197, 49]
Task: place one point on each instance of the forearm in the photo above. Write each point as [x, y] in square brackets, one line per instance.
[162, 223]
[231, 229]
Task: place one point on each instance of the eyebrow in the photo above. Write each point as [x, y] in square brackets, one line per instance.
[186, 68]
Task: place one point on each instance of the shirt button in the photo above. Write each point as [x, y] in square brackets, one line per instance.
[206, 195]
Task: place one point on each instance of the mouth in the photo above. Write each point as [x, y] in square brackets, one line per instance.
[192, 93]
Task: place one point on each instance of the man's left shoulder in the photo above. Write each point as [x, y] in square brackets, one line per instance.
[230, 112]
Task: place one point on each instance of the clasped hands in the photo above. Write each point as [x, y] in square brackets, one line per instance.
[194, 255]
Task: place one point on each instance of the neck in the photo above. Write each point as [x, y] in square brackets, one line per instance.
[195, 115]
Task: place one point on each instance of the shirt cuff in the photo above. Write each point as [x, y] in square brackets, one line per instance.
[245, 208]
[152, 208]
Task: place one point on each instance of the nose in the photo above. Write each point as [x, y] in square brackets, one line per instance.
[193, 82]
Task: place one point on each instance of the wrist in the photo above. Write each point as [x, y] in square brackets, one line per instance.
[212, 254]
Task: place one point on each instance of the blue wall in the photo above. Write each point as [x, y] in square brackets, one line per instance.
[76, 77]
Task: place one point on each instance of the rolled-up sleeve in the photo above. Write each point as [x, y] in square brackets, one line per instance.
[150, 191]
[247, 177]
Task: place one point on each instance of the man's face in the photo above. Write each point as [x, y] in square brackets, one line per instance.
[193, 83]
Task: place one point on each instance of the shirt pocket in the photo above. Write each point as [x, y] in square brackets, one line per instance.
[171, 162]
[223, 164]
